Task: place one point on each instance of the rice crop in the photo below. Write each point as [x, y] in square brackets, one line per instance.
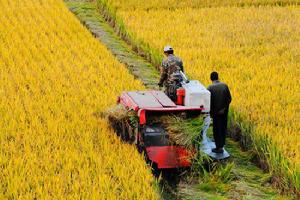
[256, 51]
[53, 77]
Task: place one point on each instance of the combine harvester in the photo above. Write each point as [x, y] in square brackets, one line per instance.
[193, 99]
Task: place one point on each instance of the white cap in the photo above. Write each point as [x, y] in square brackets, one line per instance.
[168, 48]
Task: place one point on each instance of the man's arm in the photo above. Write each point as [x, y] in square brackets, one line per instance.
[181, 66]
[228, 95]
[163, 74]
[209, 88]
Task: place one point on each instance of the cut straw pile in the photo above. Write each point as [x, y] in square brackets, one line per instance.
[181, 131]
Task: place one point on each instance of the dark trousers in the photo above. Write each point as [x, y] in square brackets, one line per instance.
[170, 91]
[220, 129]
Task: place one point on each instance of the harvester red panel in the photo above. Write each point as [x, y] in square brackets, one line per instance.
[145, 99]
[163, 99]
[169, 156]
[152, 101]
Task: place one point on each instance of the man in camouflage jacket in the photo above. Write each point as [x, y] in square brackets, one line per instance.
[170, 65]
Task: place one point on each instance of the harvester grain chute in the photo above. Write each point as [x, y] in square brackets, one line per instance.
[150, 136]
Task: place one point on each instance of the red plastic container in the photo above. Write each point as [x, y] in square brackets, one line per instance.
[180, 96]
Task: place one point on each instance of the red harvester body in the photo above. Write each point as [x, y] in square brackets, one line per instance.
[153, 139]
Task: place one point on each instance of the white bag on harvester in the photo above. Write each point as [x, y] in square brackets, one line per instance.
[196, 95]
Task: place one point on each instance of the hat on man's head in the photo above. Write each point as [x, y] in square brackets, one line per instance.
[168, 48]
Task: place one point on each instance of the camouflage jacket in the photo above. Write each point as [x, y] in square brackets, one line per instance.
[169, 65]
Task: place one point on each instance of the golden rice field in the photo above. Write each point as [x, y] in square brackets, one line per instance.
[256, 50]
[54, 77]
[174, 4]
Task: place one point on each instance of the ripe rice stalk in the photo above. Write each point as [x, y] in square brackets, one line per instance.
[53, 79]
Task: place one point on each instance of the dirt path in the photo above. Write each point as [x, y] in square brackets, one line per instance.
[89, 16]
[248, 181]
